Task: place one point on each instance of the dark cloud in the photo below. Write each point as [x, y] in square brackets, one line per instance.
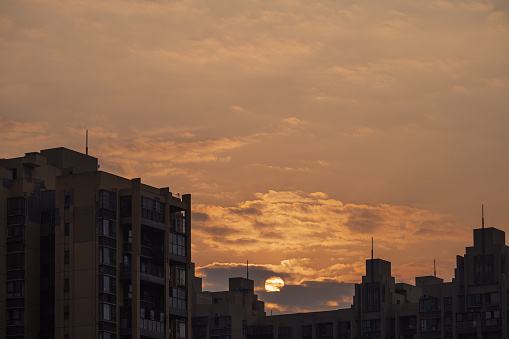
[200, 216]
[311, 296]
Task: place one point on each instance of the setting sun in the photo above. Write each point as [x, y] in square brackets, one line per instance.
[274, 284]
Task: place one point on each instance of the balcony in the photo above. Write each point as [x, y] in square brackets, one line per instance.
[152, 273]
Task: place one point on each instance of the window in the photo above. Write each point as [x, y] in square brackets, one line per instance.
[430, 324]
[307, 331]
[66, 257]
[66, 229]
[125, 206]
[178, 244]
[107, 228]
[15, 205]
[178, 298]
[66, 312]
[448, 304]
[67, 201]
[180, 223]
[107, 256]
[108, 284]
[15, 233]
[373, 296]
[285, 333]
[152, 209]
[181, 329]
[108, 200]
[223, 322]
[15, 316]
[430, 304]
[199, 327]
[371, 325]
[107, 335]
[493, 298]
[15, 288]
[483, 269]
[15, 261]
[128, 292]
[325, 331]
[181, 276]
[107, 312]
[66, 285]
[473, 300]
[344, 327]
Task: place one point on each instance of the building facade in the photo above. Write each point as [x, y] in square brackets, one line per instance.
[472, 306]
[90, 254]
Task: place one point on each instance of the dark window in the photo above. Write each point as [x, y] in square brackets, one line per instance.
[15, 261]
[15, 205]
[66, 257]
[15, 316]
[473, 300]
[107, 312]
[373, 296]
[107, 256]
[199, 327]
[307, 332]
[67, 200]
[107, 227]
[178, 244]
[16, 233]
[430, 304]
[107, 284]
[14, 173]
[66, 312]
[285, 333]
[178, 298]
[108, 200]
[325, 331]
[66, 229]
[223, 322]
[126, 206]
[448, 304]
[484, 272]
[344, 327]
[15, 288]
[152, 209]
[66, 285]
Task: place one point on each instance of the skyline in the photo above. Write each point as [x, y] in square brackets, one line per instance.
[300, 129]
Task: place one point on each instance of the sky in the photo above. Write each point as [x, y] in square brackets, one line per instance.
[302, 128]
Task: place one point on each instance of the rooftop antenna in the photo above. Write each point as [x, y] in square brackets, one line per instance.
[434, 268]
[372, 262]
[247, 269]
[87, 143]
[371, 248]
[482, 231]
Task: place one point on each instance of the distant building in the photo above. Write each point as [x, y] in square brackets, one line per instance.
[472, 306]
[226, 314]
[89, 254]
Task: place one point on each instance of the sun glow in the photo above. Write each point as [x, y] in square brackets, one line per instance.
[274, 284]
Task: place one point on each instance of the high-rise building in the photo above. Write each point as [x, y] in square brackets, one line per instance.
[89, 254]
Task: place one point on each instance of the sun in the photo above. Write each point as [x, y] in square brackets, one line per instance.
[274, 284]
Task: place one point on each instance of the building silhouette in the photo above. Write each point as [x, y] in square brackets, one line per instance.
[472, 306]
[89, 254]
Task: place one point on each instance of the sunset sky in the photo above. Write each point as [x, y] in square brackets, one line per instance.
[302, 128]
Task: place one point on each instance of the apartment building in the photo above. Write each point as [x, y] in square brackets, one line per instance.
[472, 306]
[90, 254]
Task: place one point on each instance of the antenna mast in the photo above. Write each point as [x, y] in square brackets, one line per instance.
[87, 143]
[371, 248]
[247, 269]
[482, 231]
[434, 268]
